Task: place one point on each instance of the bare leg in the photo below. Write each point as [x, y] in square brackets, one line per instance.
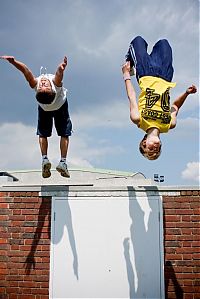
[43, 145]
[62, 166]
[64, 143]
[46, 165]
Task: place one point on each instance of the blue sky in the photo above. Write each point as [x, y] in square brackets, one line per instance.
[95, 36]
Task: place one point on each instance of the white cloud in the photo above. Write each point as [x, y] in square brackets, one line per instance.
[192, 102]
[19, 148]
[192, 172]
[187, 127]
[115, 115]
[189, 122]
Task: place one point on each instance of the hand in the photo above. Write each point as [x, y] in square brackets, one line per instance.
[126, 67]
[63, 64]
[11, 59]
[191, 89]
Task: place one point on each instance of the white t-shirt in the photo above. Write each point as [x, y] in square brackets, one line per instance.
[60, 97]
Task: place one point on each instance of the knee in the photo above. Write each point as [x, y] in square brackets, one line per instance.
[137, 39]
[64, 138]
[164, 41]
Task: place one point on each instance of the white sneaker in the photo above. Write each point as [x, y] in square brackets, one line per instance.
[62, 169]
[46, 167]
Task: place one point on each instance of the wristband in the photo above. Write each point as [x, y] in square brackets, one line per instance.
[187, 92]
[126, 77]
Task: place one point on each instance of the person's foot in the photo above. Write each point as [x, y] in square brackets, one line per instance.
[131, 57]
[62, 169]
[46, 167]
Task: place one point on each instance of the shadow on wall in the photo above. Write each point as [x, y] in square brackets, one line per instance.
[65, 221]
[142, 252]
[170, 275]
[44, 211]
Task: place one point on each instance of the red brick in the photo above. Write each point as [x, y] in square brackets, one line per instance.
[30, 217]
[196, 217]
[27, 296]
[29, 211]
[3, 271]
[18, 218]
[4, 217]
[17, 206]
[185, 250]
[196, 256]
[170, 212]
[4, 205]
[17, 211]
[195, 244]
[170, 237]
[189, 296]
[13, 290]
[174, 256]
[28, 284]
[3, 265]
[186, 218]
[172, 218]
[3, 241]
[184, 224]
[173, 231]
[185, 237]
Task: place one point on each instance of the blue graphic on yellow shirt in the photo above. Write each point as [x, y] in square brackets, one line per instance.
[154, 103]
[151, 99]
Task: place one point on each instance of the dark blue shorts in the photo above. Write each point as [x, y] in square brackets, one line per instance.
[156, 64]
[61, 119]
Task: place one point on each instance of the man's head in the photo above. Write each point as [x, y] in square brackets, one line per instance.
[150, 148]
[45, 93]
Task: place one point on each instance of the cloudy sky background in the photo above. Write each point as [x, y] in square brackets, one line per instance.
[95, 36]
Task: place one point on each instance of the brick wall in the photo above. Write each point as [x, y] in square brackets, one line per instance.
[182, 245]
[24, 245]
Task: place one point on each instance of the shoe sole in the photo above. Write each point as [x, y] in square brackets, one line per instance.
[63, 172]
[46, 173]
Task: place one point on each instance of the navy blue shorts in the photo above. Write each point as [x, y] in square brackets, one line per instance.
[156, 64]
[61, 118]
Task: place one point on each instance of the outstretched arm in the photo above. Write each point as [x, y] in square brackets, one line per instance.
[134, 111]
[59, 72]
[179, 102]
[23, 68]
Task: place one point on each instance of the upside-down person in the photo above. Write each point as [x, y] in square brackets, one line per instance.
[152, 112]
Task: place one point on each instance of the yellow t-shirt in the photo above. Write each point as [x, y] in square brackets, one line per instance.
[154, 103]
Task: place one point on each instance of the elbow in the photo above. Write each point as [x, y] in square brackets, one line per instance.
[134, 119]
[173, 125]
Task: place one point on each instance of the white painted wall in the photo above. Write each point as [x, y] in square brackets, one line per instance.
[106, 247]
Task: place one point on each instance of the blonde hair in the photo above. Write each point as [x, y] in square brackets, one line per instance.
[154, 156]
